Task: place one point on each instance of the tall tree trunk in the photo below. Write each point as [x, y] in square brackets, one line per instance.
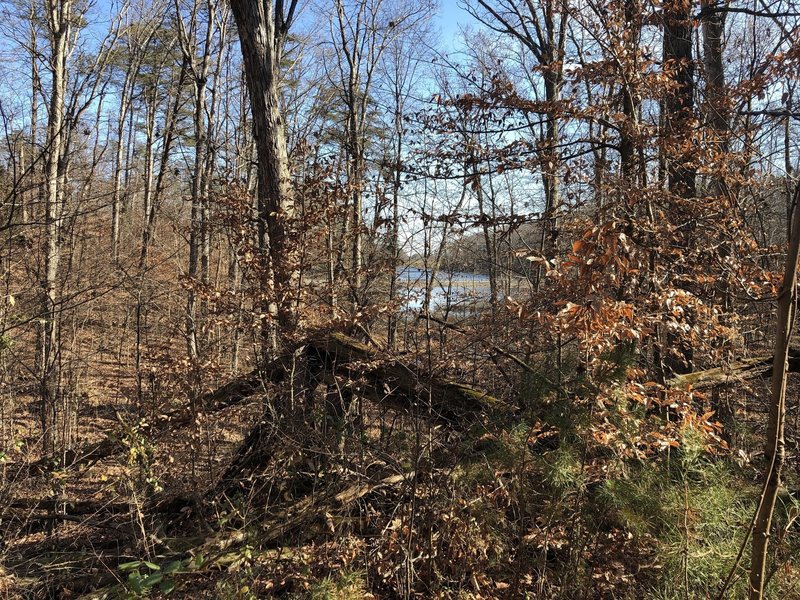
[36, 87]
[716, 109]
[488, 224]
[394, 235]
[170, 127]
[151, 101]
[775, 447]
[787, 159]
[58, 21]
[124, 107]
[679, 103]
[677, 118]
[354, 147]
[630, 104]
[198, 253]
[552, 60]
[262, 31]
[551, 161]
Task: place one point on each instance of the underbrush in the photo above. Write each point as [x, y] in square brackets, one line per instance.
[503, 521]
[376, 504]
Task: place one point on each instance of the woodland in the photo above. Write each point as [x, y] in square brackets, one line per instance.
[343, 299]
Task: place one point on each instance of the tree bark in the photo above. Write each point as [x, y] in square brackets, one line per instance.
[775, 448]
[124, 106]
[154, 192]
[677, 119]
[630, 101]
[679, 103]
[716, 106]
[198, 255]
[262, 32]
[58, 21]
[36, 87]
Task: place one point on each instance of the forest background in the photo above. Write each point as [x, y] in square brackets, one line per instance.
[392, 299]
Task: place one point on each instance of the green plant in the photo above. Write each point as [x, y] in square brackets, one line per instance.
[564, 470]
[141, 453]
[347, 586]
[144, 576]
[692, 506]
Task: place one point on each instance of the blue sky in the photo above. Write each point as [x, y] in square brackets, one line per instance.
[451, 16]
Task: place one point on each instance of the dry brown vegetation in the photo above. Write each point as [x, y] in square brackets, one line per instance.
[240, 356]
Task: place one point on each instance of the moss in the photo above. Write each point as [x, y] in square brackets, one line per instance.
[719, 375]
[345, 586]
[478, 397]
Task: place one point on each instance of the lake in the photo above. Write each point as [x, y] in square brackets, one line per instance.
[456, 291]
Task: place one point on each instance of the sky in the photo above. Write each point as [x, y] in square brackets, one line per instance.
[451, 16]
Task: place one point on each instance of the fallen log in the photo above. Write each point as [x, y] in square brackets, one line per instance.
[403, 386]
[71, 507]
[389, 382]
[758, 367]
[370, 374]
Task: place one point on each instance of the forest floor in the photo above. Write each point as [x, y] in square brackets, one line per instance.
[375, 502]
[325, 521]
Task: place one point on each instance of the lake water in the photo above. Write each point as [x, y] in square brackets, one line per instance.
[458, 292]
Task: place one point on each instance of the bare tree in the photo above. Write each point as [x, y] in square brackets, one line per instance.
[401, 67]
[361, 32]
[138, 36]
[199, 68]
[263, 29]
[59, 23]
[66, 107]
[540, 26]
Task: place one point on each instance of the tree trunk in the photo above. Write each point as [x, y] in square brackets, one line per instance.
[149, 161]
[394, 235]
[775, 448]
[58, 20]
[262, 30]
[551, 161]
[170, 127]
[716, 109]
[630, 104]
[124, 106]
[678, 114]
[198, 253]
[679, 104]
[36, 87]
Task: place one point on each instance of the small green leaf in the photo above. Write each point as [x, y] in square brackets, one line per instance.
[130, 566]
[172, 567]
[167, 586]
[135, 583]
[151, 566]
[152, 579]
